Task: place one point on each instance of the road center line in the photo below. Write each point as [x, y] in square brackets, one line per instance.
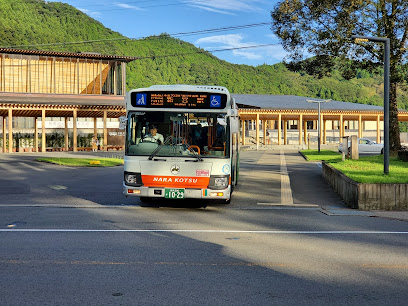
[201, 231]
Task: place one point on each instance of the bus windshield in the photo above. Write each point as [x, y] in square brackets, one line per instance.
[192, 134]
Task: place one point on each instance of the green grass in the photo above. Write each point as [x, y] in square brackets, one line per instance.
[83, 162]
[326, 155]
[367, 169]
[370, 169]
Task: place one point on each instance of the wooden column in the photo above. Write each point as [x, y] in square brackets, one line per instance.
[257, 131]
[378, 129]
[264, 131]
[105, 130]
[300, 121]
[115, 78]
[100, 77]
[360, 127]
[324, 131]
[66, 139]
[43, 139]
[341, 127]
[285, 131]
[10, 130]
[243, 132]
[95, 127]
[305, 131]
[123, 78]
[74, 127]
[279, 128]
[4, 135]
[36, 134]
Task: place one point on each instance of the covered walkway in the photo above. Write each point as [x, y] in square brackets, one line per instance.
[292, 113]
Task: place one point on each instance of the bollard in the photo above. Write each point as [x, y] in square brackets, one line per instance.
[354, 147]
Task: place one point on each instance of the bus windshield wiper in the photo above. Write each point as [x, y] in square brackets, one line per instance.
[196, 155]
[168, 139]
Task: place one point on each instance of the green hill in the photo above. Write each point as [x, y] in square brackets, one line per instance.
[167, 60]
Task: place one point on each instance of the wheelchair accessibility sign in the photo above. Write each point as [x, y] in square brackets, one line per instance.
[215, 101]
[141, 99]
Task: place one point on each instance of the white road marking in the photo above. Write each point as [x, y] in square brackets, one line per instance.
[290, 205]
[31, 167]
[11, 169]
[286, 191]
[202, 231]
[58, 187]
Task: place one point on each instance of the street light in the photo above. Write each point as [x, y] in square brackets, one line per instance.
[386, 42]
[318, 122]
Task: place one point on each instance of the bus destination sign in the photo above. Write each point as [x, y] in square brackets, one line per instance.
[189, 100]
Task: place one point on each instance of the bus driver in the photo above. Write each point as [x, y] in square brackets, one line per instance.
[153, 136]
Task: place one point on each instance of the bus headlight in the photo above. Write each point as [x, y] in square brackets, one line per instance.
[133, 179]
[219, 181]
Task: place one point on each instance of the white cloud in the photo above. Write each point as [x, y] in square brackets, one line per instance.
[205, 8]
[264, 53]
[127, 6]
[226, 6]
[230, 40]
[248, 55]
[90, 13]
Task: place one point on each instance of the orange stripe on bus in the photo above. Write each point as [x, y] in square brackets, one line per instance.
[175, 181]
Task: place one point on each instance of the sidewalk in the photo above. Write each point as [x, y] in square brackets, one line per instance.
[328, 208]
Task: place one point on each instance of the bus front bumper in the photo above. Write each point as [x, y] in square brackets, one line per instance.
[189, 193]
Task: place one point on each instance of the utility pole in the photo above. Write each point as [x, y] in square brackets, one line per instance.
[318, 122]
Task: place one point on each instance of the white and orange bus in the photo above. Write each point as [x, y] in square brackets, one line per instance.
[181, 142]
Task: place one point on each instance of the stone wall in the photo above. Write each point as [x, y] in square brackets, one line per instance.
[366, 196]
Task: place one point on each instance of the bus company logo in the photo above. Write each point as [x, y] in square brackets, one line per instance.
[215, 101]
[175, 169]
[226, 169]
[141, 99]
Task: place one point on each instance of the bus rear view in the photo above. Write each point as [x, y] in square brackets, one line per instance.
[181, 142]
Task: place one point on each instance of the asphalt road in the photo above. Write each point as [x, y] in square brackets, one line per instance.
[68, 236]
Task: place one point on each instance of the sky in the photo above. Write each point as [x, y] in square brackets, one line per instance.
[142, 18]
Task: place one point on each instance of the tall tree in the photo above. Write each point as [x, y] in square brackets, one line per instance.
[324, 29]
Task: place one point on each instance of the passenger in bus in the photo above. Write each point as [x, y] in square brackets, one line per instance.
[197, 135]
[153, 136]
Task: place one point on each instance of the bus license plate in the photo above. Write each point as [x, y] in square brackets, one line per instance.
[174, 193]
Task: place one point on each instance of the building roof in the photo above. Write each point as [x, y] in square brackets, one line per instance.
[88, 55]
[31, 105]
[296, 102]
[60, 99]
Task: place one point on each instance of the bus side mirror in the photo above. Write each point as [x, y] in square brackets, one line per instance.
[221, 121]
[232, 112]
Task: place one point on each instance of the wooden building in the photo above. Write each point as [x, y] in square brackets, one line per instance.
[282, 114]
[42, 84]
